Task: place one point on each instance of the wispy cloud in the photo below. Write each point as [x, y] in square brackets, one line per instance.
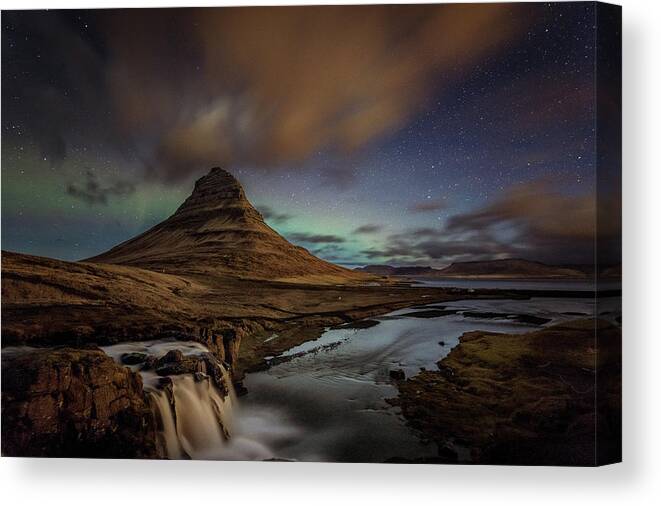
[273, 216]
[93, 191]
[370, 228]
[305, 237]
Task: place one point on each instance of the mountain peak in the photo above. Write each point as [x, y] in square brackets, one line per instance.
[218, 184]
[217, 198]
[217, 178]
[217, 231]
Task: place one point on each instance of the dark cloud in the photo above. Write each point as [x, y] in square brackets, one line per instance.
[428, 206]
[417, 233]
[92, 191]
[273, 216]
[545, 224]
[412, 248]
[533, 221]
[314, 238]
[331, 251]
[370, 228]
[536, 208]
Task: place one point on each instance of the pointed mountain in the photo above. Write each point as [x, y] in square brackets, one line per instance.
[217, 232]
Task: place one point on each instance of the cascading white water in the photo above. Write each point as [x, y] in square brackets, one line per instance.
[195, 418]
[161, 406]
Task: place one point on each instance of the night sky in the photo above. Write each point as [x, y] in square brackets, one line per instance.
[402, 135]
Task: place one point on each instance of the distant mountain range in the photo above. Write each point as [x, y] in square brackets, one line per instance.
[389, 270]
[512, 268]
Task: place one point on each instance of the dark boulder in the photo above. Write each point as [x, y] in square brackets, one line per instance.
[397, 375]
[173, 356]
[361, 324]
[240, 389]
[133, 358]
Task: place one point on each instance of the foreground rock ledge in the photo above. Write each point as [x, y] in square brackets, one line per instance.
[74, 403]
[526, 399]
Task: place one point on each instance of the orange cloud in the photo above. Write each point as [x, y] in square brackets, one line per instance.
[270, 86]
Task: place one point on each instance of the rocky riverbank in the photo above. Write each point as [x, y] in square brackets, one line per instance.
[525, 399]
[66, 402]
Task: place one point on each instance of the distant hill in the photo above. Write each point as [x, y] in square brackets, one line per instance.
[514, 268]
[508, 268]
[378, 270]
[389, 270]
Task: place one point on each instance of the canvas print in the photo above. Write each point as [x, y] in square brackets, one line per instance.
[384, 233]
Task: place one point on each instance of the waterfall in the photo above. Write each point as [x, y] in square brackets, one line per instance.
[161, 406]
[193, 415]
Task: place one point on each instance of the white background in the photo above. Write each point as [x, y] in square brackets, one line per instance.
[636, 481]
